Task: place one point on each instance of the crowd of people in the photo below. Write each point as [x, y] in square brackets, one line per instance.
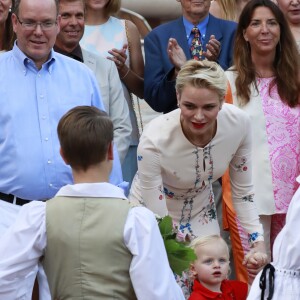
[80, 187]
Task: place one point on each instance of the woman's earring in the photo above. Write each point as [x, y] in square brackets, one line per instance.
[178, 104]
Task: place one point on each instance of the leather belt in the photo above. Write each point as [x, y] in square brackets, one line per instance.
[10, 198]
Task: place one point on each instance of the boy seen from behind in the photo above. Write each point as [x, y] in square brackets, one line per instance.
[93, 243]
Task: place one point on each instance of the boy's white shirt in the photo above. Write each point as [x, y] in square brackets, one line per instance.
[25, 241]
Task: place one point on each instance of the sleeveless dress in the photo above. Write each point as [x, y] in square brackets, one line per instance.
[99, 39]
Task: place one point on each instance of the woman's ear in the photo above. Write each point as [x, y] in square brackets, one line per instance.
[178, 98]
[245, 35]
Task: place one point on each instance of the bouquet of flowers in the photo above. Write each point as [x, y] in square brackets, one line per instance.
[176, 243]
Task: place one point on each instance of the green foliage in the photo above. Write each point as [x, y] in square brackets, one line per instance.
[166, 226]
[179, 254]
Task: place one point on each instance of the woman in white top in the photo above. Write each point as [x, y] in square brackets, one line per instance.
[182, 153]
[119, 41]
[264, 83]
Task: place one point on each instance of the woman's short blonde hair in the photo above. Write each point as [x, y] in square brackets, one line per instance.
[112, 7]
[202, 74]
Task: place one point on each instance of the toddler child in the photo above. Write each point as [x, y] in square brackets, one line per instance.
[211, 269]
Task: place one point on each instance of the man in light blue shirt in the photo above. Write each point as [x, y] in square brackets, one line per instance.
[37, 86]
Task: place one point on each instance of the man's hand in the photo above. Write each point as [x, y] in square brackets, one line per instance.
[176, 54]
[213, 49]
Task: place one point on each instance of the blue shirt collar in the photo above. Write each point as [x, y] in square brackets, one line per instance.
[27, 62]
[201, 26]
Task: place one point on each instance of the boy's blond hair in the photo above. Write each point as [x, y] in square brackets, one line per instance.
[201, 241]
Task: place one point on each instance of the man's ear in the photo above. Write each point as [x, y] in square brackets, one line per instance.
[14, 21]
[63, 156]
[110, 151]
[58, 24]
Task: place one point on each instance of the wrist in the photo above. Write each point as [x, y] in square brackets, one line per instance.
[254, 238]
[124, 72]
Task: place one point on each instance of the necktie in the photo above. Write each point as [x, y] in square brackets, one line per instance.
[196, 45]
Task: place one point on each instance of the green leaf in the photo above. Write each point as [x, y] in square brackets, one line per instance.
[180, 256]
[166, 226]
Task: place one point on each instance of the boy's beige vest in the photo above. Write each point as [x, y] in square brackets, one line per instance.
[85, 256]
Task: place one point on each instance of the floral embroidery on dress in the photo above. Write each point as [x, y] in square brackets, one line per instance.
[248, 198]
[185, 283]
[207, 213]
[140, 157]
[242, 166]
[253, 237]
[207, 157]
[168, 193]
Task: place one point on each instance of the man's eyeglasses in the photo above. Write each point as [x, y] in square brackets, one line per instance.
[30, 25]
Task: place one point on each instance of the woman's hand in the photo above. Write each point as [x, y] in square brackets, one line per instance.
[255, 260]
[119, 57]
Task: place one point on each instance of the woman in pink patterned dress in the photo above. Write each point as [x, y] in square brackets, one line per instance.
[264, 82]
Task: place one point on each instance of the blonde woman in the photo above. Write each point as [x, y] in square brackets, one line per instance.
[183, 152]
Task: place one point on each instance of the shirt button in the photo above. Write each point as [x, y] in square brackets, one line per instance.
[41, 96]
[50, 184]
[46, 139]
[43, 117]
[49, 161]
